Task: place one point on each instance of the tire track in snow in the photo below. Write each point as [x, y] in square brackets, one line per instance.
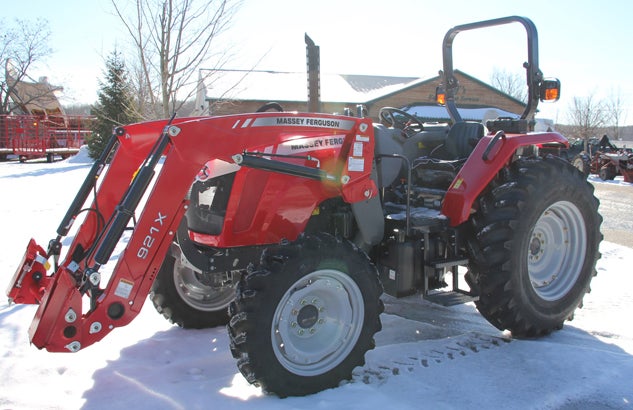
[381, 364]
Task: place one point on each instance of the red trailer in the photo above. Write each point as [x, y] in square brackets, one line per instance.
[30, 136]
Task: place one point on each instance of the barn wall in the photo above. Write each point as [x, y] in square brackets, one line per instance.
[471, 92]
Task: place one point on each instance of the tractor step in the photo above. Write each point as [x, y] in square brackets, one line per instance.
[450, 298]
[448, 262]
[456, 296]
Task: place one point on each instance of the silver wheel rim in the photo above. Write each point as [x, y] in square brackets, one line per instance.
[317, 322]
[556, 250]
[197, 294]
[579, 164]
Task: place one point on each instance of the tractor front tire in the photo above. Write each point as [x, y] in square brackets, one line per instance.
[607, 173]
[537, 235]
[306, 317]
[186, 298]
[582, 163]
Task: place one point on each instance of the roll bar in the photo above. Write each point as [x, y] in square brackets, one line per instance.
[534, 74]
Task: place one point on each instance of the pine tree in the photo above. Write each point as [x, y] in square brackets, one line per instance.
[114, 106]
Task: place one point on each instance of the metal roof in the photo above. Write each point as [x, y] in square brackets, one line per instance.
[292, 86]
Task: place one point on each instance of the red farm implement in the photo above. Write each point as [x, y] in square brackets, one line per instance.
[608, 165]
[30, 136]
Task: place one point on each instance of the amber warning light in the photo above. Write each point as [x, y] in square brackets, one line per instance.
[440, 96]
[550, 90]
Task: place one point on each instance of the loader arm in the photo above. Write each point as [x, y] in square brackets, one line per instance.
[64, 321]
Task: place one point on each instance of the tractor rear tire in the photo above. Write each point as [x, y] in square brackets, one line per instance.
[184, 297]
[537, 237]
[306, 317]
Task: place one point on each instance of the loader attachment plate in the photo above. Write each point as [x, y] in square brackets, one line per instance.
[30, 281]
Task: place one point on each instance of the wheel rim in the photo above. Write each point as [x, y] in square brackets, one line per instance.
[317, 322]
[556, 250]
[198, 294]
[579, 164]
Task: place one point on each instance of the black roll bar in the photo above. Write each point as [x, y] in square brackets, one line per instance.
[534, 74]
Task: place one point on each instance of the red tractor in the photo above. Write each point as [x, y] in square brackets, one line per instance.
[287, 226]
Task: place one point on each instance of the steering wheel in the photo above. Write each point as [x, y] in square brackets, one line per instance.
[270, 106]
[411, 127]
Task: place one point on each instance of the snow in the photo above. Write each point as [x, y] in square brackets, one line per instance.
[427, 356]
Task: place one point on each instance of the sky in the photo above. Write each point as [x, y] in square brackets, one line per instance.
[426, 357]
[584, 43]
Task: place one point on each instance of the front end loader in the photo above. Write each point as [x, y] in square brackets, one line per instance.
[63, 324]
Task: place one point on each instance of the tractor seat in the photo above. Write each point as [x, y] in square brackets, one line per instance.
[438, 169]
[460, 141]
[403, 150]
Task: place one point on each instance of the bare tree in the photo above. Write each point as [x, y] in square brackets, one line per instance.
[615, 113]
[172, 39]
[22, 45]
[512, 84]
[586, 116]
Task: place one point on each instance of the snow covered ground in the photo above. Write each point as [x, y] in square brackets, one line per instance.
[427, 356]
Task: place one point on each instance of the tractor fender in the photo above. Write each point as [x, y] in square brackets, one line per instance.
[491, 154]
